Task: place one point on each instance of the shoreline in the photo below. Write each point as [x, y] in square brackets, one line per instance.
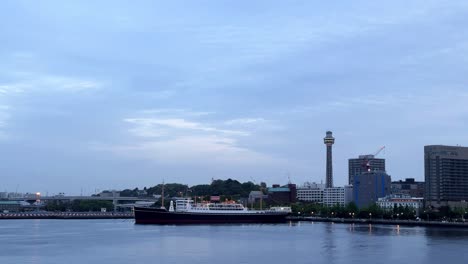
[381, 222]
[112, 215]
[66, 215]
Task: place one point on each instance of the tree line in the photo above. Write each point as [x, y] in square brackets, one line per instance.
[229, 189]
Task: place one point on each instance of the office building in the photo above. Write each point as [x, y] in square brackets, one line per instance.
[310, 192]
[446, 175]
[368, 187]
[337, 196]
[409, 187]
[282, 195]
[362, 164]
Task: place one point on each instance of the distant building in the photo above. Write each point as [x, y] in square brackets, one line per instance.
[15, 195]
[10, 206]
[310, 192]
[396, 200]
[282, 194]
[3, 195]
[446, 175]
[362, 164]
[409, 187]
[368, 187]
[256, 196]
[337, 196]
[109, 194]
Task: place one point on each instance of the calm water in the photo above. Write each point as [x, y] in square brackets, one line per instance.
[120, 241]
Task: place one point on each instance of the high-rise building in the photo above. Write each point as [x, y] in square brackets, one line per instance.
[446, 175]
[329, 140]
[368, 187]
[362, 164]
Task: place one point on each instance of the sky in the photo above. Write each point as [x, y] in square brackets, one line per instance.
[98, 95]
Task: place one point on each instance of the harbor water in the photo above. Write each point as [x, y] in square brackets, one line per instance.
[121, 241]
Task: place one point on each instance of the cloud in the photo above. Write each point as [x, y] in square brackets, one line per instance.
[174, 139]
[4, 117]
[178, 123]
[349, 103]
[245, 121]
[205, 149]
[27, 82]
[175, 111]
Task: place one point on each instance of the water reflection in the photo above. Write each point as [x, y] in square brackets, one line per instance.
[446, 233]
[384, 230]
[304, 242]
[329, 246]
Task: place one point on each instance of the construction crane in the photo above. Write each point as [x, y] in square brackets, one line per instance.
[371, 156]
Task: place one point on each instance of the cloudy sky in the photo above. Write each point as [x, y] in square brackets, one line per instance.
[113, 94]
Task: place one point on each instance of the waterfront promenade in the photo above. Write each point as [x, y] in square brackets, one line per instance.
[381, 221]
[67, 215]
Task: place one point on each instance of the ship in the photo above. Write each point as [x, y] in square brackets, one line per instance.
[188, 212]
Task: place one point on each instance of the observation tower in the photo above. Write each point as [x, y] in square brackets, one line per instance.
[329, 140]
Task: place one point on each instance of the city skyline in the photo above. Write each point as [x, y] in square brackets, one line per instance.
[112, 95]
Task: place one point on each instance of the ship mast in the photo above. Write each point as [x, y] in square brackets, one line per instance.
[162, 196]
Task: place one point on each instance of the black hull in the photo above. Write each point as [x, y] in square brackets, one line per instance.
[162, 217]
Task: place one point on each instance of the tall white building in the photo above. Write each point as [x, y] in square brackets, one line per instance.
[310, 192]
[338, 195]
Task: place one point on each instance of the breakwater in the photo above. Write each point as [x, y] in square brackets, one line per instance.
[381, 221]
[66, 215]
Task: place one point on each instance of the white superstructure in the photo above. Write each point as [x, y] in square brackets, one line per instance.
[187, 205]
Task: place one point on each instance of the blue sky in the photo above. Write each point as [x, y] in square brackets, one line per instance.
[120, 94]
